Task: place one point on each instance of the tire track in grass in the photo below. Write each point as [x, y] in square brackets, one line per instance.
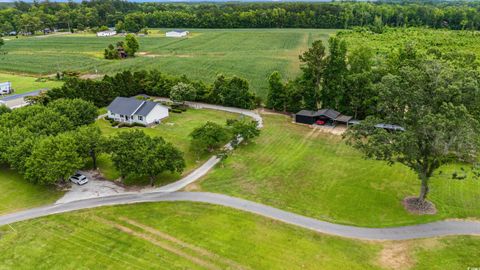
[166, 246]
[200, 251]
[68, 240]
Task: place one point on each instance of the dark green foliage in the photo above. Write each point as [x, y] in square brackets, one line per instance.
[80, 112]
[89, 142]
[243, 130]
[37, 119]
[131, 45]
[48, 143]
[233, 91]
[333, 83]
[133, 17]
[209, 137]
[111, 52]
[4, 109]
[277, 93]
[53, 159]
[122, 49]
[440, 127]
[135, 154]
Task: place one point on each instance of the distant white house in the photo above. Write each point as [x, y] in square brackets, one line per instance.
[107, 33]
[5, 88]
[133, 110]
[176, 33]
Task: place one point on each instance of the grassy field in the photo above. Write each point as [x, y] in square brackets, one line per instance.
[175, 129]
[17, 194]
[23, 83]
[201, 236]
[252, 54]
[309, 172]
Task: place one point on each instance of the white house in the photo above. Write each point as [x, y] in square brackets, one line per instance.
[176, 33]
[107, 33]
[133, 110]
[5, 88]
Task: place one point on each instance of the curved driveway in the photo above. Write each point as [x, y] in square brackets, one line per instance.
[441, 228]
[169, 193]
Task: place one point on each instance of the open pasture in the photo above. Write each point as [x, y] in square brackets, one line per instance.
[304, 170]
[249, 53]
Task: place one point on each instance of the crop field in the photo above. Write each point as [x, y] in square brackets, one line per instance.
[252, 54]
[304, 170]
[175, 129]
[185, 235]
[23, 83]
[17, 194]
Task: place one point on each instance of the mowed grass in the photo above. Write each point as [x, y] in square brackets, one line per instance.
[175, 129]
[17, 194]
[24, 83]
[183, 235]
[249, 53]
[303, 170]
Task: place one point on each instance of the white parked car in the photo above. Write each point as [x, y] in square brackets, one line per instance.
[79, 179]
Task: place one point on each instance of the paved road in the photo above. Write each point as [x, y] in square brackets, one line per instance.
[168, 193]
[441, 228]
[18, 100]
[199, 105]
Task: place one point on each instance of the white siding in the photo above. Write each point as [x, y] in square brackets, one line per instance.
[5, 88]
[156, 114]
[176, 34]
[106, 33]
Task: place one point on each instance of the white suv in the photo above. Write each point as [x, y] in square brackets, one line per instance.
[79, 179]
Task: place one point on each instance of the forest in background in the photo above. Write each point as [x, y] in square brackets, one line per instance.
[132, 17]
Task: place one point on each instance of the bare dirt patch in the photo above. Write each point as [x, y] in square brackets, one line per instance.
[201, 251]
[418, 207]
[193, 187]
[396, 256]
[164, 245]
[91, 76]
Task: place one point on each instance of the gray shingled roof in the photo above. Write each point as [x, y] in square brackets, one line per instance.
[131, 106]
[332, 114]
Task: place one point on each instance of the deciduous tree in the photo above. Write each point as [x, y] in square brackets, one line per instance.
[209, 137]
[53, 159]
[438, 127]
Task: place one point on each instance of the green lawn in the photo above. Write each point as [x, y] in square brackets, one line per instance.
[24, 83]
[184, 235]
[298, 169]
[250, 53]
[175, 129]
[17, 194]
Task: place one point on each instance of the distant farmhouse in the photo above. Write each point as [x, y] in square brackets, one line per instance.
[108, 33]
[6, 88]
[177, 33]
[132, 110]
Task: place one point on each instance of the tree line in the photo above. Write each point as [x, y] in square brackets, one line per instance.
[133, 17]
[350, 80]
[234, 91]
[435, 100]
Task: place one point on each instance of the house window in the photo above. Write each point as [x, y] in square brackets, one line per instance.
[140, 118]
